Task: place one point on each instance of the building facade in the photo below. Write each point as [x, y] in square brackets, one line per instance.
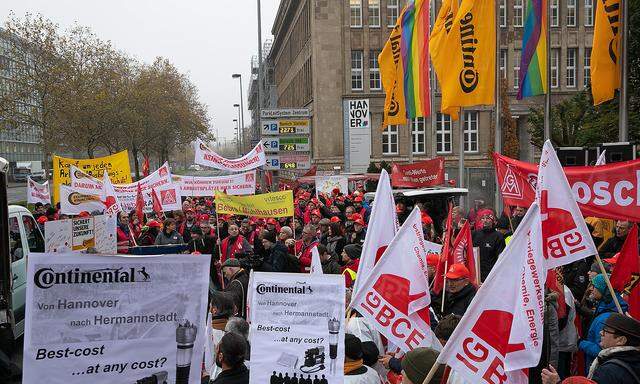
[325, 52]
[21, 142]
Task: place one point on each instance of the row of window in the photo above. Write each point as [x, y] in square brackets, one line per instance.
[355, 13]
[571, 13]
[357, 71]
[443, 135]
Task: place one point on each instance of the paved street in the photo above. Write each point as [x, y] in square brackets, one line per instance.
[16, 193]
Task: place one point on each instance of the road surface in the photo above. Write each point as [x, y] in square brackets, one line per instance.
[16, 192]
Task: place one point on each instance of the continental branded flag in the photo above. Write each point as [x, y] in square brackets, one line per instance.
[437, 42]
[468, 52]
[605, 70]
[404, 66]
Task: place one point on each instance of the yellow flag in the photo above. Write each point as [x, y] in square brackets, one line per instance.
[390, 62]
[605, 70]
[465, 58]
[437, 40]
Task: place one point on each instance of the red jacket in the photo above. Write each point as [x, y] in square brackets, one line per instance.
[235, 247]
[304, 254]
[124, 241]
[349, 271]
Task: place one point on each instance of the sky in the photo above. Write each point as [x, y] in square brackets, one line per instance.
[208, 40]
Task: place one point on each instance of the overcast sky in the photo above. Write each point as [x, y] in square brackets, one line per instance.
[208, 40]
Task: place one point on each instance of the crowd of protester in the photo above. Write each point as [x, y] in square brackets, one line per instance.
[583, 333]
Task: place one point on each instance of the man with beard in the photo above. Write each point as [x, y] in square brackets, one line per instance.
[459, 292]
[231, 353]
[304, 246]
[235, 243]
[189, 222]
[490, 242]
[201, 243]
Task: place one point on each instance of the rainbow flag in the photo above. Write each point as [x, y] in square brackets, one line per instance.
[533, 63]
[404, 66]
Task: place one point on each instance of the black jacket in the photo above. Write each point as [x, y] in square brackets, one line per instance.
[491, 243]
[278, 257]
[331, 266]
[456, 303]
[205, 245]
[611, 247]
[335, 244]
[239, 375]
[238, 287]
[608, 372]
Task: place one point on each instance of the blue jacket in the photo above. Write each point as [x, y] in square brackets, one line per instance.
[590, 345]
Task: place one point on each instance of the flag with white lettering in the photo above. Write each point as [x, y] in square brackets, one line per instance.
[109, 196]
[38, 193]
[501, 330]
[395, 297]
[207, 157]
[564, 231]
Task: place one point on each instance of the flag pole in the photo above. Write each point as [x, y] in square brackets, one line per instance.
[547, 95]
[444, 284]
[461, 182]
[410, 126]
[606, 280]
[623, 115]
[432, 92]
[498, 128]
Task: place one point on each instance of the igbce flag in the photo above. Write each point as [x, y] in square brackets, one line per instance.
[502, 328]
[383, 226]
[565, 234]
[395, 297]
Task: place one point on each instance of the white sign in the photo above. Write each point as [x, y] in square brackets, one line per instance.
[326, 184]
[288, 112]
[297, 327]
[98, 232]
[38, 193]
[239, 184]
[113, 319]
[359, 134]
[207, 157]
[287, 161]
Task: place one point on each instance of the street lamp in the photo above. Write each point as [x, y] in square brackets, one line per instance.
[236, 129]
[241, 114]
[240, 133]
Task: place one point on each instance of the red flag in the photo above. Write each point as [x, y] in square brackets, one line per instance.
[552, 284]
[268, 178]
[625, 276]
[311, 172]
[157, 205]
[145, 167]
[438, 278]
[462, 252]
[140, 205]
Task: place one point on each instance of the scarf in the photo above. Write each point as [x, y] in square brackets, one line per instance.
[218, 324]
[350, 366]
[605, 353]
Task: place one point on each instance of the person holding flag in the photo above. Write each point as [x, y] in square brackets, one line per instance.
[459, 292]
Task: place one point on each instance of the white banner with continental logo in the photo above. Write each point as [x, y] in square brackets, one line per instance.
[114, 319]
[297, 327]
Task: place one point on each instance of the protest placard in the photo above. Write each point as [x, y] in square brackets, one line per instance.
[326, 184]
[112, 319]
[98, 232]
[38, 193]
[297, 327]
[274, 204]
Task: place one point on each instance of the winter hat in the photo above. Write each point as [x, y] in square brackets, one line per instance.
[353, 251]
[599, 284]
[624, 325]
[596, 268]
[352, 347]
[417, 364]
[370, 353]
[269, 236]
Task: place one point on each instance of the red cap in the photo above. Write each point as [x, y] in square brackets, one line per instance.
[484, 212]
[433, 259]
[612, 260]
[203, 217]
[42, 219]
[316, 212]
[355, 216]
[272, 221]
[189, 210]
[335, 219]
[84, 214]
[315, 201]
[153, 224]
[360, 222]
[358, 199]
[457, 271]
[335, 191]
[426, 219]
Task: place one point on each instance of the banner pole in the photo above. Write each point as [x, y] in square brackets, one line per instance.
[606, 280]
[431, 373]
[444, 284]
[293, 220]
[547, 95]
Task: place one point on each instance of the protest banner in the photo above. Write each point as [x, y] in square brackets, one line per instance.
[428, 173]
[274, 204]
[395, 296]
[73, 202]
[38, 193]
[79, 234]
[502, 329]
[326, 184]
[117, 165]
[239, 184]
[297, 327]
[608, 191]
[207, 157]
[113, 319]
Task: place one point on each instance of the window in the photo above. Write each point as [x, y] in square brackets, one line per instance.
[571, 67]
[15, 240]
[571, 13]
[516, 68]
[518, 9]
[503, 13]
[374, 13]
[588, 13]
[356, 70]
[555, 16]
[555, 62]
[417, 135]
[356, 13]
[33, 235]
[443, 133]
[503, 63]
[392, 12]
[374, 71]
[390, 140]
[471, 131]
[586, 68]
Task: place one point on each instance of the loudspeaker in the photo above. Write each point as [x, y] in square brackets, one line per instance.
[572, 156]
[616, 152]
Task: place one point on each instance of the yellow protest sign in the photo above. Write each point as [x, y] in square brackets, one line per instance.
[117, 165]
[274, 204]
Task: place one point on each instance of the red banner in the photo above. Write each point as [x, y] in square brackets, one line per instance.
[609, 191]
[428, 173]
